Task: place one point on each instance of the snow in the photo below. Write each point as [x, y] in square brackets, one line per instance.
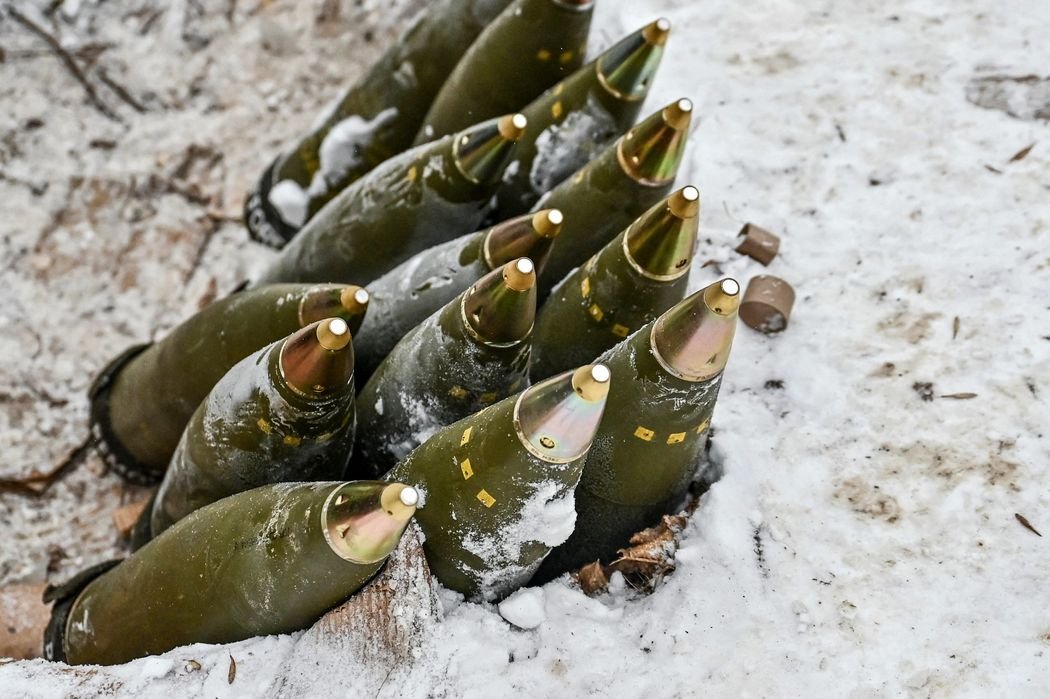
[524, 608]
[862, 541]
[340, 150]
[290, 200]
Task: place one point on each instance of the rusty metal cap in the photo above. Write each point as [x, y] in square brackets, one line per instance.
[530, 235]
[318, 360]
[500, 308]
[692, 339]
[659, 244]
[345, 301]
[652, 151]
[482, 151]
[627, 69]
[363, 520]
[556, 419]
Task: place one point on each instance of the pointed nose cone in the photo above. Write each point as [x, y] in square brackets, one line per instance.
[660, 243]
[318, 361]
[363, 521]
[652, 151]
[627, 69]
[557, 419]
[531, 236]
[484, 150]
[500, 308]
[335, 301]
[692, 340]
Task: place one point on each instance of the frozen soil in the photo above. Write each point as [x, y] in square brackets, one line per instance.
[863, 540]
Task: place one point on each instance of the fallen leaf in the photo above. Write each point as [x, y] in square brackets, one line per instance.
[232, 675]
[1026, 524]
[592, 578]
[1021, 154]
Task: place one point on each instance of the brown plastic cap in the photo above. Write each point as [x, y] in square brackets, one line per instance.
[767, 304]
[758, 243]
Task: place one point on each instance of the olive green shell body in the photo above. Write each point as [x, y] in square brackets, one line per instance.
[532, 45]
[253, 429]
[595, 308]
[407, 204]
[376, 118]
[643, 458]
[255, 564]
[436, 375]
[568, 126]
[600, 200]
[492, 509]
[151, 399]
[411, 292]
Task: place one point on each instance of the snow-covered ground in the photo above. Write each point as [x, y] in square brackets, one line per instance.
[863, 541]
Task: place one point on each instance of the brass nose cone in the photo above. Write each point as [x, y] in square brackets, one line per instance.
[529, 235]
[512, 126]
[364, 520]
[482, 151]
[318, 360]
[692, 340]
[348, 302]
[627, 69]
[723, 298]
[591, 382]
[333, 334]
[519, 275]
[499, 310]
[678, 114]
[652, 151]
[354, 299]
[659, 244]
[556, 419]
[548, 222]
[657, 32]
[399, 501]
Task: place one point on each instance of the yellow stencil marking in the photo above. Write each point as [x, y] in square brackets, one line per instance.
[264, 426]
[585, 286]
[644, 433]
[486, 499]
[565, 57]
[411, 175]
[556, 110]
[324, 437]
[488, 397]
[559, 87]
[621, 330]
[595, 312]
[292, 441]
[676, 437]
[543, 55]
[457, 392]
[465, 467]
[579, 176]
[466, 436]
[703, 425]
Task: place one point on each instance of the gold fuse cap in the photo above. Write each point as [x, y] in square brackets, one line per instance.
[500, 308]
[318, 360]
[556, 419]
[482, 151]
[651, 152]
[692, 339]
[530, 235]
[364, 520]
[348, 302]
[659, 244]
[627, 69]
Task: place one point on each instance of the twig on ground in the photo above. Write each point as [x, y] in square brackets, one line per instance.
[120, 91]
[38, 484]
[66, 59]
